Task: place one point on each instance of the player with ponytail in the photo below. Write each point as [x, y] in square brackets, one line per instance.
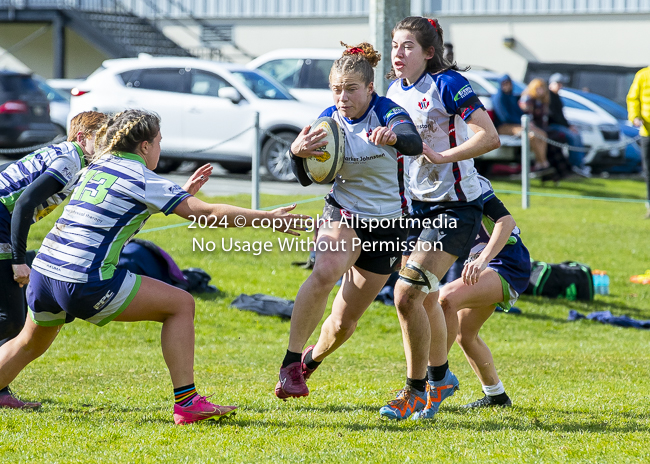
[367, 188]
[445, 190]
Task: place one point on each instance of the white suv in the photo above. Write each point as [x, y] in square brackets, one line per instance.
[207, 109]
[304, 71]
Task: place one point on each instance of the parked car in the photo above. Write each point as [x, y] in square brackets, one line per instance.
[600, 104]
[304, 71]
[612, 81]
[24, 112]
[59, 104]
[64, 86]
[621, 159]
[597, 129]
[207, 109]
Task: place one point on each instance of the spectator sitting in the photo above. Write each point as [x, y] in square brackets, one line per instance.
[535, 100]
[508, 115]
[558, 123]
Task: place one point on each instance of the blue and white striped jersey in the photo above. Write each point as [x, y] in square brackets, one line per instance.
[110, 204]
[439, 104]
[62, 161]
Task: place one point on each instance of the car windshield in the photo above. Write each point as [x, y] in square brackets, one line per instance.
[517, 87]
[613, 108]
[52, 94]
[262, 86]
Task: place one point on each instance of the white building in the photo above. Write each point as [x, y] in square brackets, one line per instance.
[503, 35]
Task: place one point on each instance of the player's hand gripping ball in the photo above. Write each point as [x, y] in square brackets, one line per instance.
[322, 169]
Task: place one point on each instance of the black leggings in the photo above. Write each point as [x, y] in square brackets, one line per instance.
[12, 304]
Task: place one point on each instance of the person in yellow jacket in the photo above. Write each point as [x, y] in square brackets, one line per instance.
[638, 110]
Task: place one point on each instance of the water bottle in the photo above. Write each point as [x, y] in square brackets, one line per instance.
[605, 285]
[598, 281]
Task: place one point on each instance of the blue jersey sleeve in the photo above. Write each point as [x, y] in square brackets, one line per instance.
[390, 113]
[328, 112]
[457, 94]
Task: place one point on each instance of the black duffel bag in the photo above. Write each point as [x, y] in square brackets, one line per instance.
[569, 280]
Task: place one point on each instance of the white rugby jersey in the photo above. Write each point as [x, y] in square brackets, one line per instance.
[62, 161]
[109, 205]
[370, 182]
[439, 104]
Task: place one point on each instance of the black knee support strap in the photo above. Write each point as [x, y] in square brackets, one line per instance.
[414, 276]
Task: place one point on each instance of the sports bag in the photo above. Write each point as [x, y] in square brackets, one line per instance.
[569, 280]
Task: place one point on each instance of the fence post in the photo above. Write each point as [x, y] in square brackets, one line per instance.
[255, 166]
[525, 160]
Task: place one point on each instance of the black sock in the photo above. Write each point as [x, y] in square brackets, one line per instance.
[309, 361]
[501, 398]
[291, 358]
[437, 373]
[417, 384]
[5, 390]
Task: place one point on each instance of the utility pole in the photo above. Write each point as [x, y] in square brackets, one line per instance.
[384, 14]
[58, 42]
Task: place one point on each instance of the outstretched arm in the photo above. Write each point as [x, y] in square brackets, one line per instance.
[198, 179]
[234, 216]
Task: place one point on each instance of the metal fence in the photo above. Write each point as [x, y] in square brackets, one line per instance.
[207, 8]
[535, 7]
[333, 8]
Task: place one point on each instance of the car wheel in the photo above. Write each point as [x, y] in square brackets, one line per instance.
[234, 167]
[275, 156]
[167, 165]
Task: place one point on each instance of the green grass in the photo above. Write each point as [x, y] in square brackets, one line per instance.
[580, 389]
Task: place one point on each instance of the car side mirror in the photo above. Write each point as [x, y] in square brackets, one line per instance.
[230, 93]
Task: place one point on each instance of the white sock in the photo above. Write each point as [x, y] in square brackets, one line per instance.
[494, 390]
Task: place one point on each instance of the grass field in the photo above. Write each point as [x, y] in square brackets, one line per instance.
[580, 389]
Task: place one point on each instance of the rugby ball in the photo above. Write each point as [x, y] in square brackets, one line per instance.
[322, 169]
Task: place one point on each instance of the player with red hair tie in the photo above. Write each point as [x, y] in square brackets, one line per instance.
[445, 190]
[367, 187]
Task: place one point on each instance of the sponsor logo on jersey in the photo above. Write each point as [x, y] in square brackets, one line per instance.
[394, 112]
[424, 104]
[369, 132]
[361, 159]
[463, 92]
[174, 189]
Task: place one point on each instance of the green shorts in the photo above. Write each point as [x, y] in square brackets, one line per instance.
[510, 296]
